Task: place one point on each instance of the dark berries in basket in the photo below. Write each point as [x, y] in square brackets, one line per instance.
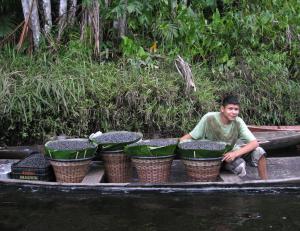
[72, 144]
[118, 137]
[156, 142]
[202, 145]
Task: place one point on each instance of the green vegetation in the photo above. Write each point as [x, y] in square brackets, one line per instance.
[250, 48]
[77, 96]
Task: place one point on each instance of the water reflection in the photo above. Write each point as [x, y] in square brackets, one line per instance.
[222, 212]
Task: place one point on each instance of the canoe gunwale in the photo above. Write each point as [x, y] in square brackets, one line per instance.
[271, 140]
[265, 128]
[291, 184]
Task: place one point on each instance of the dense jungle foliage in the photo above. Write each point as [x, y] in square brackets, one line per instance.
[249, 48]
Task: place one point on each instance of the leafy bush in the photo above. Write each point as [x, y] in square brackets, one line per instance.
[246, 47]
[42, 97]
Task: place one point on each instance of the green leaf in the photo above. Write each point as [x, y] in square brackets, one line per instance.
[150, 151]
[6, 25]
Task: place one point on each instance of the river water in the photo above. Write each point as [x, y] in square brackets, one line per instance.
[220, 211]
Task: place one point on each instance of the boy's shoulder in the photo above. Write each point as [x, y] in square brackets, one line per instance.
[239, 119]
[209, 114]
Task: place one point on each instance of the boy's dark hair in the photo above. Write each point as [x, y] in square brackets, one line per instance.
[230, 99]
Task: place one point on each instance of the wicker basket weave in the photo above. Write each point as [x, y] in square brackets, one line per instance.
[153, 170]
[117, 167]
[70, 171]
[202, 170]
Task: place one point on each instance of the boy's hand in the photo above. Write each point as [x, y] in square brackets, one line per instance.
[229, 156]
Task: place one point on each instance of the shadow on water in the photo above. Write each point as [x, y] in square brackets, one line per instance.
[148, 212]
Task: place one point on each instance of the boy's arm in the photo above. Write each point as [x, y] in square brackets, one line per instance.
[198, 131]
[185, 137]
[230, 156]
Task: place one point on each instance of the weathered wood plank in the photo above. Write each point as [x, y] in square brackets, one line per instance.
[279, 139]
[95, 174]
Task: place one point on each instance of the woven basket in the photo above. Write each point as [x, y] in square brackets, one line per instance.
[202, 170]
[70, 171]
[117, 167]
[153, 170]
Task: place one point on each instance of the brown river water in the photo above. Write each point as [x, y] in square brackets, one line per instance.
[220, 211]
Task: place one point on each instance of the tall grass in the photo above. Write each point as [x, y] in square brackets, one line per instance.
[42, 97]
[247, 48]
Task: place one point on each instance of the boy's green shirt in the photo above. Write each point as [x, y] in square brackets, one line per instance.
[210, 127]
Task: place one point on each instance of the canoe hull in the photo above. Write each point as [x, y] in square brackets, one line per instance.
[271, 140]
[287, 178]
[103, 188]
[254, 128]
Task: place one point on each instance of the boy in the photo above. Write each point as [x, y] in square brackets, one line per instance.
[226, 126]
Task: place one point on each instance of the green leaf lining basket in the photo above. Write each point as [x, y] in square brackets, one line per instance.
[203, 149]
[70, 149]
[152, 148]
[118, 167]
[202, 158]
[116, 140]
[152, 159]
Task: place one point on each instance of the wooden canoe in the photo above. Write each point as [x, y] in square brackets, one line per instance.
[271, 140]
[284, 174]
[255, 128]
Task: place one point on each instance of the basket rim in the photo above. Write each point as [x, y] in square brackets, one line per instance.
[206, 159]
[70, 160]
[152, 157]
[111, 152]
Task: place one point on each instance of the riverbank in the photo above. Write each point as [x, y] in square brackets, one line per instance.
[46, 96]
[69, 86]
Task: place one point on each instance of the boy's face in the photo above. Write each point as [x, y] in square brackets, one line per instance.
[230, 111]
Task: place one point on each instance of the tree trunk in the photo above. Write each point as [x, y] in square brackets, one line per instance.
[31, 16]
[47, 15]
[107, 3]
[122, 24]
[185, 71]
[72, 12]
[35, 24]
[94, 14]
[26, 9]
[174, 6]
[26, 12]
[62, 17]
[187, 2]
[91, 19]
[84, 22]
